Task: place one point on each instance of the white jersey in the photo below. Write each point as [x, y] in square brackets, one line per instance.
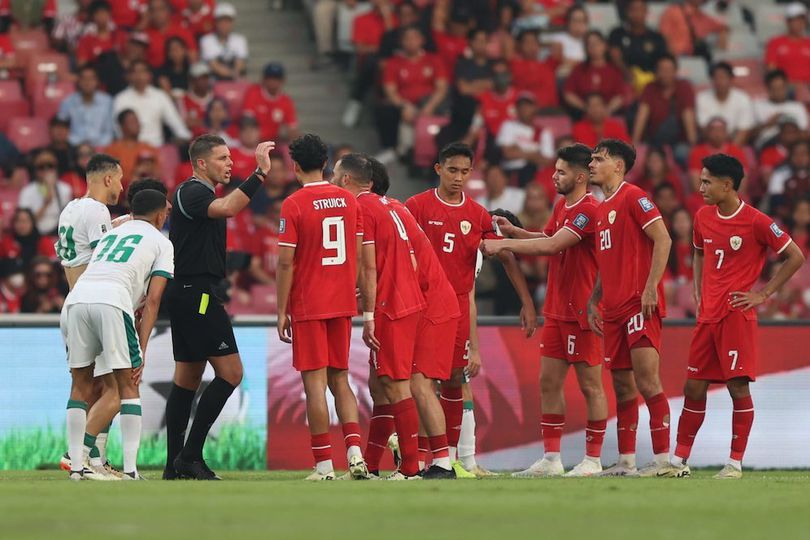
[81, 225]
[122, 264]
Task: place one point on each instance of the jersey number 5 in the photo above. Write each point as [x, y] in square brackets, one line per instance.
[334, 237]
[449, 242]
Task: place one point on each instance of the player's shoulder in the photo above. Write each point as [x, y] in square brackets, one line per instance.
[631, 194]
[420, 198]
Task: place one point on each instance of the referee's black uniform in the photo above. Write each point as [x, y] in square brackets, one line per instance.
[201, 328]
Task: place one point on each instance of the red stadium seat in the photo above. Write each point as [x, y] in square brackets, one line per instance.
[12, 102]
[46, 67]
[169, 160]
[26, 43]
[232, 92]
[48, 98]
[27, 133]
[560, 125]
[424, 148]
[749, 75]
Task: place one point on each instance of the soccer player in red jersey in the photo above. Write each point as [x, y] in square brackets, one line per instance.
[632, 249]
[455, 226]
[392, 304]
[731, 241]
[433, 355]
[320, 234]
[567, 337]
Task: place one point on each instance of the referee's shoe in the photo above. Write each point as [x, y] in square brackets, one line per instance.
[193, 470]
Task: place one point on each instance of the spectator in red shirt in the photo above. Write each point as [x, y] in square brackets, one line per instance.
[451, 24]
[497, 105]
[12, 284]
[195, 102]
[666, 111]
[775, 155]
[100, 36]
[128, 14]
[680, 258]
[243, 153]
[198, 16]
[24, 241]
[657, 171]
[791, 52]
[597, 124]
[595, 75]
[274, 110]
[800, 225]
[415, 84]
[532, 75]
[162, 27]
[716, 141]
[8, 59]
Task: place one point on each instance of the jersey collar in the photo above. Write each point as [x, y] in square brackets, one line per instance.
[587, 194]
[312, 184]
[456, 205]
[618, 189]
[732, 216]
[206, 184]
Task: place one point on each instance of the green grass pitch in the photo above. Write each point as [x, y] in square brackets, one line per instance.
[275, 505]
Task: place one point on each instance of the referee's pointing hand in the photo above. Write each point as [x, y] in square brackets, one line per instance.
[263, 155]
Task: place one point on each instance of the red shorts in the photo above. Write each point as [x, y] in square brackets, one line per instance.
[724, 350]
[433, 354]
[567, 340]
[397, 339]
[629, 333]
[461, 351]
[321, 343]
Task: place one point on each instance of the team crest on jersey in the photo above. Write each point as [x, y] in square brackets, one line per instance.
[466, 227]
[736, 242]
[777, 232]
[282, 225]
[580, 221]
[612, 216]
[646, 204]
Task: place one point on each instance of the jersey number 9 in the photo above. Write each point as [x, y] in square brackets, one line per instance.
[334, 238]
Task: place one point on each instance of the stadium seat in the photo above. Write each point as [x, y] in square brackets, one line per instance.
[26, 43]
[770, 19]
[654, 12]
[233, 92]
[603, 17]
[12, 102]
[45, 67]
[560, 124]
[27, 133]
[749, 76]
[169, 161]
[424, 148]
[740, 45]
[48, 98]
[694, 69]
[732, 16]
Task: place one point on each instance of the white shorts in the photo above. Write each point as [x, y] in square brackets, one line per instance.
[98, 371]
[100, 334]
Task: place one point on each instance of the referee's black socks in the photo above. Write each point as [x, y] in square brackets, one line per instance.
[178, 411]
[211, 403]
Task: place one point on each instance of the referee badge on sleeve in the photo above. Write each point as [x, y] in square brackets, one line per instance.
[282, 225]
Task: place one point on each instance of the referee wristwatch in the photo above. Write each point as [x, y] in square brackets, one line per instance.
[260, 173]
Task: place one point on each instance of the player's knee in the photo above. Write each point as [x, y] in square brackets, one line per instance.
[233, 375]
[456, 379]
[550, 384]
[592, 390]
[649, 387]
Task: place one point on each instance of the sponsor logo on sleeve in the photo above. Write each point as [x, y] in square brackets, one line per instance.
[581, 221]
[777, 232]
[282, 225]
[646, 204]
[103, 228]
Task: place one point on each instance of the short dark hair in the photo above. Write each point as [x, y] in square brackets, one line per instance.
[774, 74]
[122, 116]
[97, 5]
[529, 31]
[456, 149]
[577, 155]
[725, 166]
[380, 180]
[358, 166]
[667, 56]
[475, 31]
[721, 66]
[101, 163]
[87, 67]
[664, 186]
[618, 149]
[137, 63]
[310, 152]
[148, 201]
[201, 147]
[512, 218]
[144, 184]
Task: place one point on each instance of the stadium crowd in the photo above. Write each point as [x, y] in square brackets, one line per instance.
[516, 79]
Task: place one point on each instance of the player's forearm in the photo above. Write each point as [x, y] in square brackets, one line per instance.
[473, 323]
[284, 277]
[148, 318]
[368, 289]
[794, 261]
[533, 246]
[660, 257]
[697, 272]
[596, 294]
[523, 234]
[516, 277]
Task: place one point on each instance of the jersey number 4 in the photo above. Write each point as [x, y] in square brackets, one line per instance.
[117, 251]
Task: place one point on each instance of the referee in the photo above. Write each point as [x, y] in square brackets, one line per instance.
[201, 329]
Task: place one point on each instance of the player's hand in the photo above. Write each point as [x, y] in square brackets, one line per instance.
[747, 300]
[649, 301]
[490, 248]
[595, 320]
[137, 373]
[473, 364]
[368, 336]
[263, 155]
[120, 220]
[506, 228]
[528, 319]
[284, 328]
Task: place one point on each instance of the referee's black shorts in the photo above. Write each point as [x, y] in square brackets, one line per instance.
[201, 328]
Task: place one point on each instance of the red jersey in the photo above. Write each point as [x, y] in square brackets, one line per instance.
[536, 77]
[266, 249]
[244, 162]
[271, 112]
[734, 251]
[449, 48]
[614, 128]
[414, 78]
[791, 55]
[193, 109]
[572, 272]
[704, 150]
[440, 297]
[398, 291]
[624, 251]
[156, 53]
[585, 79]
[321, 221]
[127, 13]
[368, 29]
[455, 231]
[200, 22]
[240, 232]
[91, 46]
[497, 109]
[773, 156]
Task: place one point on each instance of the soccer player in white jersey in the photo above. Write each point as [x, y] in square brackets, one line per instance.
[128, 262]
[81, 225]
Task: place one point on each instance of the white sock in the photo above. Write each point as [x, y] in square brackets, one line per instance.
[737, 464]
[76, 424]
[628, 460]
[443, 462]
[552, 456]
[101, 444]
[594, 459]
[353, 451]
[324, 467]
[421, 465]
[677, 461]
[131, 422]
[661, 458]
[452, 452]
[466, 439]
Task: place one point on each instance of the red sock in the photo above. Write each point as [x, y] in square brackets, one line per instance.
[321, 447]
[626, 425]
[659, 423]
[741, 421]
[551, 425]
[691, 419]
[424, 446]
[380, 428]
[351, 434]
[594, 435]
[406, 420]
[453, 406]
[438, 445]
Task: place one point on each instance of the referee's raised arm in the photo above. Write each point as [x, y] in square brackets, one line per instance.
[201, 328]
